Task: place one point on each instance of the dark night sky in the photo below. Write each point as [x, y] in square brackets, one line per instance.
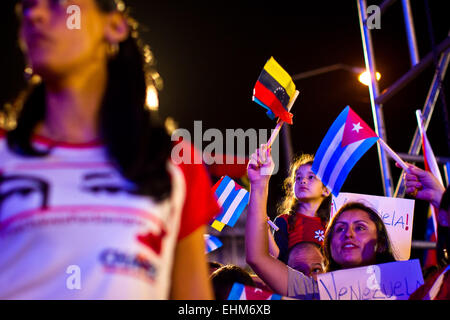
[210, 54]
[210, 58]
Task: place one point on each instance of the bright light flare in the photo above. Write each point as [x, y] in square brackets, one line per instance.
[152, 100]
[364, 77]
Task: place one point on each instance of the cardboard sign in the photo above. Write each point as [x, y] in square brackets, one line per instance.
[396, 213]
[387, 281]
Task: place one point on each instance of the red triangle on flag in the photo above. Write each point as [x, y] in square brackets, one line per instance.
[253, 293]
[355, 129]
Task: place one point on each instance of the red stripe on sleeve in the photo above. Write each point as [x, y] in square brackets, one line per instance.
[200, 205]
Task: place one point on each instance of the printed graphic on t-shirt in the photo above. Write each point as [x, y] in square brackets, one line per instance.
[61, 210]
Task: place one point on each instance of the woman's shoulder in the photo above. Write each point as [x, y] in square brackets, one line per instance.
[200, 205]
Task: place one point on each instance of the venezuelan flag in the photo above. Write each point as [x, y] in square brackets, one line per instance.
[273, 91]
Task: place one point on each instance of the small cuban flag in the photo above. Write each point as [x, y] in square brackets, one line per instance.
[242, 292]
[211, 243]
[348, 138]
[232, 199]
[273, 91]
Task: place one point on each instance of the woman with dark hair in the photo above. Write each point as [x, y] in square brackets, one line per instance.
[91, 205]
[356, 237]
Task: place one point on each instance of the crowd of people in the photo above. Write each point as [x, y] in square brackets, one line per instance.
[86, 180]
[356, 236]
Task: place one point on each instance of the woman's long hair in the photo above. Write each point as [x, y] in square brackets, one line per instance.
[136, 142]
[384, 251]
[290, 203]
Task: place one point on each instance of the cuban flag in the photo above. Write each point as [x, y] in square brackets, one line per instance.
[211, 243]
[273, 91]
[232, 199]
[431, 165]
[242, 292]
[348, 138]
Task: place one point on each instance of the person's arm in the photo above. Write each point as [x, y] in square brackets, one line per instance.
[190, 274]
[190, 271]
[271, 270]
[273, 247]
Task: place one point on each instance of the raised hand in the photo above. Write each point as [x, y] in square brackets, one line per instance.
[261, 165]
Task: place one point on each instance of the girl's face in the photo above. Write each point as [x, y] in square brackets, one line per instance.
[307, 186]
[53, 47]
[354, 239]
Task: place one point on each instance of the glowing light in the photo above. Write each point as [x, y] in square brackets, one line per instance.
[171, 125]
[364, 77]
[152, 100]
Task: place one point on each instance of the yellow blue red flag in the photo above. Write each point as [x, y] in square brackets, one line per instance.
[273, 91]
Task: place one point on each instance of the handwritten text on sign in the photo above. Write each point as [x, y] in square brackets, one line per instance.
[396, 213]
[387, 281]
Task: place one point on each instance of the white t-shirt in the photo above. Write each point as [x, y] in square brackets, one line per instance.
[71, 228]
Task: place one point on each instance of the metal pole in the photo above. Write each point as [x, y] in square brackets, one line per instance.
[427, 112]
[415, 158]
[410, 32]
[412, 73]
[419, 244]
[385, 5]
[377, 111]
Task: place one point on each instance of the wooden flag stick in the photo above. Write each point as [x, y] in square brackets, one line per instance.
[393, 154]
[281, 122]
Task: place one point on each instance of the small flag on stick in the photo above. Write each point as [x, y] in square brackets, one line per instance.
[243, 292]
[348, 138]
[211, 243]
[232, 199]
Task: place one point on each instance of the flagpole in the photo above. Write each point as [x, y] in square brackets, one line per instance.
[431, 163]
[274, 135]
[391, 152]
[281, 122]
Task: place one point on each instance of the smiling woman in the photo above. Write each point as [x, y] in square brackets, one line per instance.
[356, 237]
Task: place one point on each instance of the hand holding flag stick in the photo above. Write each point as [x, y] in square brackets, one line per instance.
[275, 91]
